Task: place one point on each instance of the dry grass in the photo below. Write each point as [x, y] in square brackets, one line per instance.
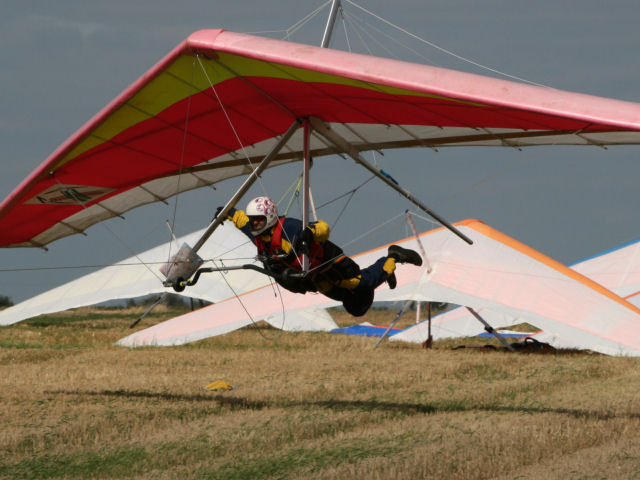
[306, 406]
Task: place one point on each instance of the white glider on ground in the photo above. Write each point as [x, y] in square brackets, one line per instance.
[617, 269]
[496, 273]
[140, 275]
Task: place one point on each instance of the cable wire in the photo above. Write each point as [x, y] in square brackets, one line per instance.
[444, 50]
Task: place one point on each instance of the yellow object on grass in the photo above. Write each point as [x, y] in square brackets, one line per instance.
[219, 385]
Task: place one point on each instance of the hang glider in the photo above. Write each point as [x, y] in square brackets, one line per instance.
[140, 275]
[496, 273]
[231, 314]
[617, 269]
[220, 99]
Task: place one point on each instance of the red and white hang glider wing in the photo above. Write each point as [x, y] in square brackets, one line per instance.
[222, 97]
[497, 273]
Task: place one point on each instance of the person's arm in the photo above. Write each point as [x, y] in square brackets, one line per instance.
[314, 232]
[320, 231]
[241, 220]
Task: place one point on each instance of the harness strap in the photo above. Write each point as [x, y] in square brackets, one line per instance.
[274, 246]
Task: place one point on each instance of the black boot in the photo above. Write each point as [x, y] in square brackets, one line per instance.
[392, 281]
[404, 255]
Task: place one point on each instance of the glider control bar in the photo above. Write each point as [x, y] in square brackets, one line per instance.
[180, 285]
[323, 129]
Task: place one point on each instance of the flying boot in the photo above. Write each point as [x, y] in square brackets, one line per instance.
[401, 255]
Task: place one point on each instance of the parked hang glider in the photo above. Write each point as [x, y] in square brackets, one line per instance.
[221, 98]
[617, 269]
[497, 273]
[140, 275]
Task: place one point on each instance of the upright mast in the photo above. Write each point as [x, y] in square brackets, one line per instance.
[328, 30]
[326, 39]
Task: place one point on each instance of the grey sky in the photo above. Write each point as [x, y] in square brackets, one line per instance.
[65, 60]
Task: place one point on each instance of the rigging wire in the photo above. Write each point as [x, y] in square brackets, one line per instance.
[369, 232]
[276, 289]
[347, 20]
[295, 187]
[350, 192]
[350, 195]
[112, 265]
[429, 220]
[365, 29]
[300, 23]
[230, 122]
[182, 152]
[344, 27]
[444, 50]
[72, 267]
[105, 226]
[374, 229]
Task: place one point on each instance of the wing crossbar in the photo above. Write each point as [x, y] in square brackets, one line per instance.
[343, 145]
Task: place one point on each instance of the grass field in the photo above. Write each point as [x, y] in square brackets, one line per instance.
[305, 406]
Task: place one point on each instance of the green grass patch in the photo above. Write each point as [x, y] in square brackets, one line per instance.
[300, 460]
[121, 463]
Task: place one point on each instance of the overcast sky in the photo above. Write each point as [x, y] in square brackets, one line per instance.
[62, 61]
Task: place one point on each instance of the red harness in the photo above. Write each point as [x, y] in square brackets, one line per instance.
[274, 247]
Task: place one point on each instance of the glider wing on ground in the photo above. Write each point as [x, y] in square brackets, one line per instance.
[233, 313]
[220, 98]
[140, 275]
[617, 269]
[496, 273]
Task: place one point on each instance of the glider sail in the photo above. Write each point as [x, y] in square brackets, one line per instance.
[497, 273]
[617, 269]
[140, 275]
[221, 101]
[234, 313]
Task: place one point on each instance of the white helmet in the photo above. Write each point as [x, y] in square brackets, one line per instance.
[265, 207]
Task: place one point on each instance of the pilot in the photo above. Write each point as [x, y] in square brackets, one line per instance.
[281, 242]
